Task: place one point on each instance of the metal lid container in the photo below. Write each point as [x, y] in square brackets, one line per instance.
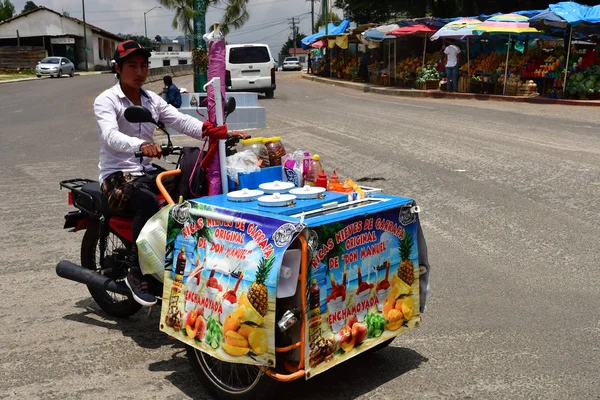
[277, 200]
[244, 195]
[308, 192]
[276, 187]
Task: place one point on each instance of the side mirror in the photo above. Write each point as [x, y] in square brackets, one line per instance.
[229, 106]
[63, 63]
[139, 114]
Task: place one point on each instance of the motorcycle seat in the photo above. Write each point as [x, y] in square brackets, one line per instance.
[100, 201]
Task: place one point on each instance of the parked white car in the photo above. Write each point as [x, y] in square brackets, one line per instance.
[56, 67]
[250, 68]
[292, 64]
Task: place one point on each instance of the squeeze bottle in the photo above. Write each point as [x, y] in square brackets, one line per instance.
[322, 180]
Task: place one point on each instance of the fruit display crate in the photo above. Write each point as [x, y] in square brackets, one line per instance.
[429, 85]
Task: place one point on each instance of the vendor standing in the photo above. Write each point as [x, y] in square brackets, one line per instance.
[452, 53]
[363, 69]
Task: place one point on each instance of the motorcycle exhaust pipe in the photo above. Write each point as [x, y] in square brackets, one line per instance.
[68, 270]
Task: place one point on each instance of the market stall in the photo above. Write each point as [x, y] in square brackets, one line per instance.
[505, 53]
[506, 24]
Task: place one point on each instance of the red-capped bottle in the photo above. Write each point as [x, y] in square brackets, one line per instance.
[321, 180]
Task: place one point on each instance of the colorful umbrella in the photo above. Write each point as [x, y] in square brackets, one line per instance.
[319, 44]
[415, 30]
[460, 29]
[510, 24]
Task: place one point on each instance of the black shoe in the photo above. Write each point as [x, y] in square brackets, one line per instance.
[139, 287]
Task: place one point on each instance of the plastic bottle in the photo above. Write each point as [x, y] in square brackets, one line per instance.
[257, 146]
[314, 170]
[335, 185]
[275, 150]
[334, 178]
[322, 180]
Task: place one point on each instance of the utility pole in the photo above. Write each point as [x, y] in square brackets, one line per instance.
[294, 32]
[200, 77]
[312, 16]
[145, 27]
[85, 36]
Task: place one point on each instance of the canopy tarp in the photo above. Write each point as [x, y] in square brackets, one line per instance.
[332, 29]
[576, 14]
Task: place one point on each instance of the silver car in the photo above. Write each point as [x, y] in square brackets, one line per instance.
[292, 64]
[55, 67]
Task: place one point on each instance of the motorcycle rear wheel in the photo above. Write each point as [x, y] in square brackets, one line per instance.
[229, 380]
[114, 304]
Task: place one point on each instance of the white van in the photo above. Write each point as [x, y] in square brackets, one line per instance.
[250, 68]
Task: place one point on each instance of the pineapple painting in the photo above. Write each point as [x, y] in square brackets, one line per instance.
[406, 268]
[257, 292]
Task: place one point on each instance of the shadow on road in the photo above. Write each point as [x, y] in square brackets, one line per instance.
[349, 380]
[143, 330]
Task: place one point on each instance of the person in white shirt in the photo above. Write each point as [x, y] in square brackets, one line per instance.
[128, 182]
[452, 55]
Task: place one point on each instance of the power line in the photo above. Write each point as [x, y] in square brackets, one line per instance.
[262, 26]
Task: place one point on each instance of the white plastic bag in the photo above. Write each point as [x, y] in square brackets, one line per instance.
[243, 161]
[152, 244]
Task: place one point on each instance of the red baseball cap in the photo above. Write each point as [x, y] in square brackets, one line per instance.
[129, 47]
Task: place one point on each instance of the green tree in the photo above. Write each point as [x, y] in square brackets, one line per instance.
[290, 44]
[235, 15]
[141, 39]
[7, 10]
[30, 5]
[320, 20]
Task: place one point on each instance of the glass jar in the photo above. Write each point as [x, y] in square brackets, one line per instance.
[256, 146]
[275, 150]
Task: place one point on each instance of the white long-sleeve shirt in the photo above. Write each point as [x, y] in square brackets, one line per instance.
[120, 139]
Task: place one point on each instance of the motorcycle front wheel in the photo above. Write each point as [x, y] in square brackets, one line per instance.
[117, 254]
[230, 380]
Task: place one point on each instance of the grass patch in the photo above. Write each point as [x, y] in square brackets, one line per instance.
[10, 74]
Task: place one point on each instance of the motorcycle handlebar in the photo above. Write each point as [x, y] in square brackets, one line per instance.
[166, 150]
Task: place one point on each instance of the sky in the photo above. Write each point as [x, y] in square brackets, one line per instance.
[268, 21]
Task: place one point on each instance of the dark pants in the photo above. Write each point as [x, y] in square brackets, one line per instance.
[452, 78]
[143, 203]
[134, 194]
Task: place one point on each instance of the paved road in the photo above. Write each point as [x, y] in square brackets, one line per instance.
[509, 192]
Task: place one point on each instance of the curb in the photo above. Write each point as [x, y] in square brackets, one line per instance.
[47, 77]
[437, 94]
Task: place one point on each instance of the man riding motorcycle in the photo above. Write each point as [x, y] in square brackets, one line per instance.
[129, 182]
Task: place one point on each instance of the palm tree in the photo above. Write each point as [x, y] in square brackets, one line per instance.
[183, 19]
[235, 16]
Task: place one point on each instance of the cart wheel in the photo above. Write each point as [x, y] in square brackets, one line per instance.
[382, 345]
[228, 380]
